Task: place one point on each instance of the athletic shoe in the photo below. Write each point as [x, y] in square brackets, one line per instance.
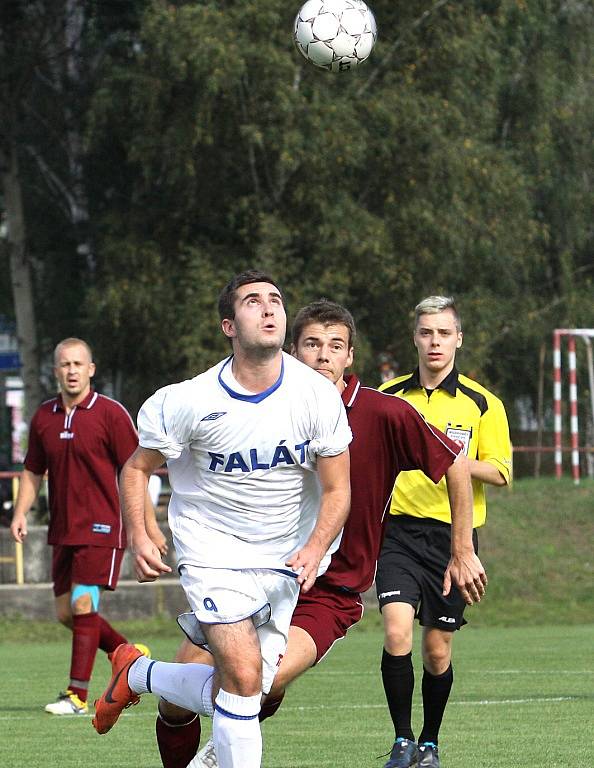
[206, 758]
[118, 695]
[428, 755]
[144, 649]
[68, 704]
[403, 754]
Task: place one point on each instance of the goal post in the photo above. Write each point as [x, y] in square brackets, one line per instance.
[586, 334]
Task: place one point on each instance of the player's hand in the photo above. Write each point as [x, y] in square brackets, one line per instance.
[18, 527]
[148, 565]
[158, 538]
[467, 573]
[305, 563]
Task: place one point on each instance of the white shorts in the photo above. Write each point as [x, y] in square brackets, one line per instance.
[225, 596]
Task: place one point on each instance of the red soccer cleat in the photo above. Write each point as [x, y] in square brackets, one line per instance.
[118, 695]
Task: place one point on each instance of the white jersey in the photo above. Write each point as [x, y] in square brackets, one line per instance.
[245, 493]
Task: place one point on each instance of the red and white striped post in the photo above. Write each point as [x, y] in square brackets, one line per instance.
[558, 424]
[573, 411]
[572, 333]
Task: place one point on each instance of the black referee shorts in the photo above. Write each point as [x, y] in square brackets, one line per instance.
[410, 569]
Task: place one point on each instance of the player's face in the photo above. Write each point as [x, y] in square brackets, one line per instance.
[437, 339]
[325, 348]
[260, 322]
[74, 370]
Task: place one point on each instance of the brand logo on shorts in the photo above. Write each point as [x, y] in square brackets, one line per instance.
[209, 604]
[447, 619]
[66, 435]
[214, 416]
[389, 594]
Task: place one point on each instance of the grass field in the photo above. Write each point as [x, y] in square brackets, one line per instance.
[524, 667]
[521, 696]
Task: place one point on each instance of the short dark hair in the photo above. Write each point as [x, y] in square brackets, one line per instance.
[325, 312]
[228, 294]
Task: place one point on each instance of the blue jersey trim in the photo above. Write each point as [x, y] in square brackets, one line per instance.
[285, 573]
[250, 398]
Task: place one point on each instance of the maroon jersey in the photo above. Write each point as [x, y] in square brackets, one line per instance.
[389, 436]
[82, 452]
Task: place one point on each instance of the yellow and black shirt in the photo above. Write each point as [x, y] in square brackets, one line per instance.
[470, 415]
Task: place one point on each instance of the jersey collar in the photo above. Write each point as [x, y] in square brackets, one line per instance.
[87, 403]
[250, 398]
[351, 390]
[449, 384]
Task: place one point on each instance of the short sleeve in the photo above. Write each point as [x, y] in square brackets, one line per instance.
[35, 460]
[165, 421]
[494, 444]
[332, 434]
[124, 438]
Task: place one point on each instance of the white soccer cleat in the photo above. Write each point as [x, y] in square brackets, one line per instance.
[68, 704]
[206, 758]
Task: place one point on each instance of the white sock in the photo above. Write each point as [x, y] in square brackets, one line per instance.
[236, 730]
[187, 685]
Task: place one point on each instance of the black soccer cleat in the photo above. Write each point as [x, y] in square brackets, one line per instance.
[428, 755]
[403, 755]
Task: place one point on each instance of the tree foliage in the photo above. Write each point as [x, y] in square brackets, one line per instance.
[458, 160]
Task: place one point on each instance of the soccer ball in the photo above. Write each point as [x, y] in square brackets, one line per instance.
[335, 34]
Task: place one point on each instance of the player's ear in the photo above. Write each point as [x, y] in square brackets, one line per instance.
[228, 328]
[92, 369]
[460, 338]
[351, 355]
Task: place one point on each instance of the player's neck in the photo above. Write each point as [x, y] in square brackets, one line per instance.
[71, 401]
[256, 373]
[432, 379]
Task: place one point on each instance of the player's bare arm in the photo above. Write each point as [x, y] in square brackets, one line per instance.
[486, 472]
[28, 489]
[465, 569]
[133, 492]
[333, 472]
[156, 535]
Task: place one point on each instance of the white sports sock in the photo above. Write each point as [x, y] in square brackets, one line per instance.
[187, 685]
[236, 730]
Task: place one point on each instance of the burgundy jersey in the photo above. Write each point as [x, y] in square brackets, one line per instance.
[389, 436]
[82, 452]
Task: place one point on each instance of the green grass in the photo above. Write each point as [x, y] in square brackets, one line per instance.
[537, 549]
[524, 670]
[524, 688]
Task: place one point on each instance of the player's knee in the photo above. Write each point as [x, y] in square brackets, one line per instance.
[64, 615]
[397, 639]
[190, 653]
[437, 657]
[244, 680]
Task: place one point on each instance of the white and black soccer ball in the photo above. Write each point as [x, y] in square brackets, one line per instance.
[335, 34]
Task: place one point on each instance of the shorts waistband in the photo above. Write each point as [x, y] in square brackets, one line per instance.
[411, 521]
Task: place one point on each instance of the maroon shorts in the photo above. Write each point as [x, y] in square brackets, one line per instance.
[326, 613]
[96, 566]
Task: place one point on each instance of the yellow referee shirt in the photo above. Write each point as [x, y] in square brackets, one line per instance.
[468, 414]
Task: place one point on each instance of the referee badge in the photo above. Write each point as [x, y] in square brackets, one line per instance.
[460, 436]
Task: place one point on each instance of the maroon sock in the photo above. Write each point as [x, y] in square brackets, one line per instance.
[85, 641]
[178, 743]
[270, 706]
[109, 638]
